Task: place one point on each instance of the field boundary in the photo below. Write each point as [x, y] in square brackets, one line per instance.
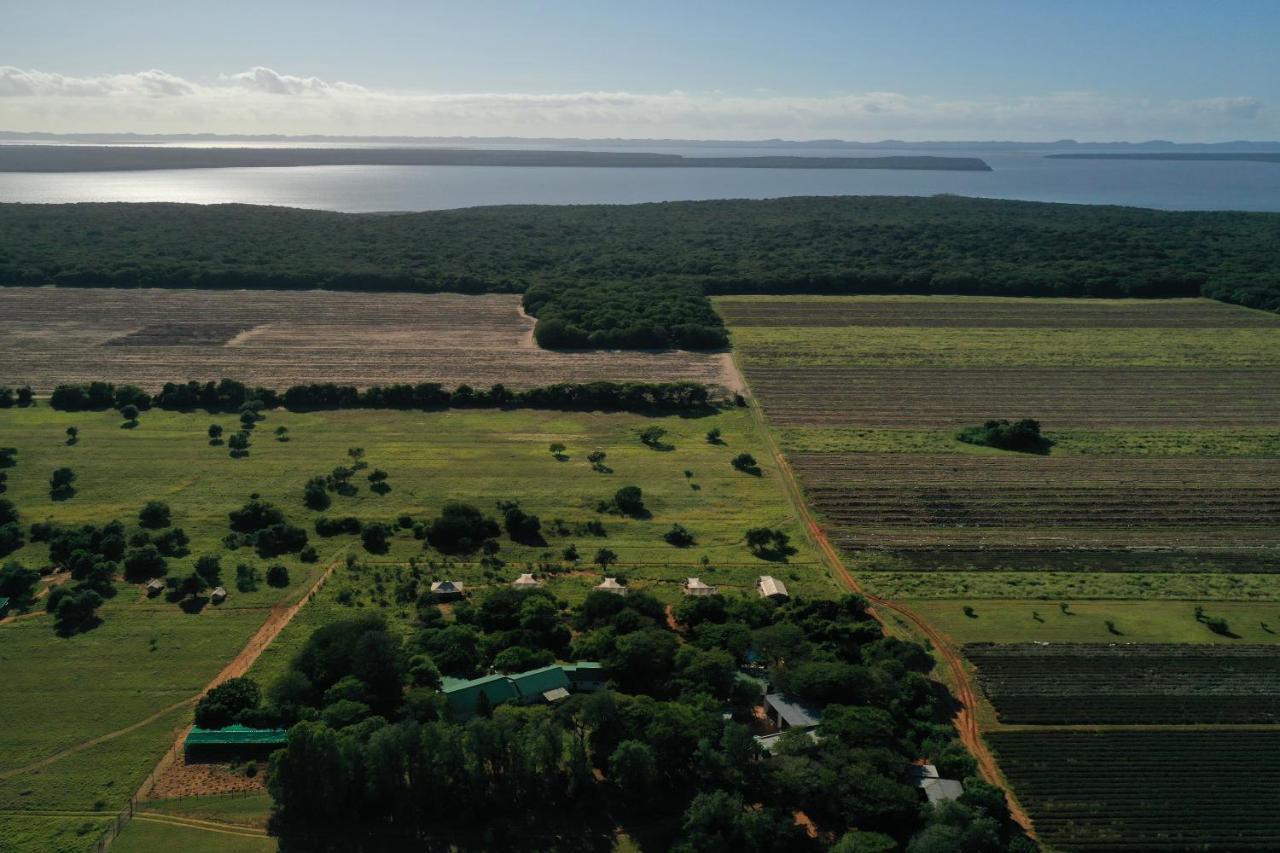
[966, 721]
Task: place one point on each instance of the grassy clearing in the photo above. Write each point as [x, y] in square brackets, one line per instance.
[1052, 586]
[115, 675]
[1138, 621]
[895, 346]
[244, 809]
[1216, 443]
[147, 836]
[51, 834]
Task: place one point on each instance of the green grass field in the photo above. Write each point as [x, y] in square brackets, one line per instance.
[148, 654]
[143, 835]
[1216, 443]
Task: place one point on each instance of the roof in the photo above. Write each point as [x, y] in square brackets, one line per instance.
[526, 579]
[219, 592]
[926, 778]
[556, 695]
[4, 602]
[538, 681]
[610, 583]
[793, 713]
[770, 586]
[156, 583]
[446, 587]
[696, 583]
[587, 670]
[464, 696]
[237, 736]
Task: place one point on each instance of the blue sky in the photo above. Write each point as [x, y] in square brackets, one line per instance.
[1125, 69]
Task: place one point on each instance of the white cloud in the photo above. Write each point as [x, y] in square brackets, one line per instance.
[261, 100]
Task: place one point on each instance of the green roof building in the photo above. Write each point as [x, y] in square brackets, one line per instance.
[234, 739]
[545, 684]
[4, 605]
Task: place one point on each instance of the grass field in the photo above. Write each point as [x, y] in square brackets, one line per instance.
[149, 655]
[281, 338]
[147, 835]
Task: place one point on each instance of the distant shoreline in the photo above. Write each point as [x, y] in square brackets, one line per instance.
[1234, 156]
[86, 158]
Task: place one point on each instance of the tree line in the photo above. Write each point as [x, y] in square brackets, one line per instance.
[581, 253]
[231, 396]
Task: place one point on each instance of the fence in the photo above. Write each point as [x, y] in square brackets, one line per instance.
[105, 841]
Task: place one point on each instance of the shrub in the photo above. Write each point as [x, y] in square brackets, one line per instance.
[1023, 436]
[374, 537]
[224, 704]
[60, 483]
[460, 529]
[746, 463]
[629, 500]
[277, 575]
[246, 577]
[679, 536]
[154, 514]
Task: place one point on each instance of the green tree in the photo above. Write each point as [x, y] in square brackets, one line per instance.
[154, 514]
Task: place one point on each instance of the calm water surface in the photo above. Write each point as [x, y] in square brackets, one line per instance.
[1032, 177]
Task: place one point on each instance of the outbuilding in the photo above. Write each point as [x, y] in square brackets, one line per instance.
[447, 589]
[155, 586]
[526, 581]
[234, 741]
[611, 585]
[935, 789]
[771, 588]
[218, 595]
[789, 714]
[4, 606]
[694, 586]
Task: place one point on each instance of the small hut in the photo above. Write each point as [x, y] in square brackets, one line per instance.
[155, 586]
[447, 589]
[611, 585]
[526, 581]
[930, 783]
[771, 588]
[218, 595]
[694, 586]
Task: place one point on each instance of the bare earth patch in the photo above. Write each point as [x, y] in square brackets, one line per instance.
[194, 779]
[282, 338]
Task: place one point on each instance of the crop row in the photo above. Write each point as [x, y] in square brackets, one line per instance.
[1041, 558]
[1061, 398]
[1147, 791]
[1135, 684]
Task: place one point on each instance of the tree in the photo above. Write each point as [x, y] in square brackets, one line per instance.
[143, 564]
[238, 445]
[11, 538]
[215, 434]
[634, 769]
[277, 575]
[557, 450]
[652, 437]
[521, 659]
[316, 495]
[154, 514]
[60, 481]
[374, 536]
[17, 583]
[521, 526]
[73, 435]
[74, 611]
[746, 463]
[282, 433]
[378, 482]
[209, 568]
[224, 704]
[604, 558]
[713, 436]
[8, 457]
[246, 577]
[459, 529]
[596, 458]
[130, 414]
[679, 536]
[629, 500]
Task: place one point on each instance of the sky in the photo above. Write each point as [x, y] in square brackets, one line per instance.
[1185, 70]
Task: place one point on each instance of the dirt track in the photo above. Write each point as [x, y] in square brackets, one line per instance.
[965, 720]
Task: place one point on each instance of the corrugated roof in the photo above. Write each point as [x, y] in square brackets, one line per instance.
[538, 681]
[237, 736]
[4, 602]
[793, 713]
[770, 586]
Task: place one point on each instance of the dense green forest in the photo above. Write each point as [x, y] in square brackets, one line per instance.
[795, 245]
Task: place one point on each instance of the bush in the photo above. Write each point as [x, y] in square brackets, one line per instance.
[144, 564]
[629, 500]
[459, 529]
[277, 575]
[679, 536]
[154, 514]
[246, 577]
[746, 463]
[326, 526]
[60, 483]
[316, 495]
[223, 705]
[374, 537]
[1023, 436]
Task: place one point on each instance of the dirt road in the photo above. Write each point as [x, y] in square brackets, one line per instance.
[966, 719]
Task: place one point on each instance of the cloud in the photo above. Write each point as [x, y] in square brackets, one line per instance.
[262, 100]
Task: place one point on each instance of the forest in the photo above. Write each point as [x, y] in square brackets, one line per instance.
[942, 245]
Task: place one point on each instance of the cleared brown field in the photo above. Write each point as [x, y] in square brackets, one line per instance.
[912, 500]
[280, 338]
[1061, 398]
[988, 312]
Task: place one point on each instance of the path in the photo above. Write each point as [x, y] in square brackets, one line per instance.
[271, 628]
[236, 829]
[966, 721]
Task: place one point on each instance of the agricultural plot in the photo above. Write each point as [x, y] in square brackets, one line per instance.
[1067, 684]
[1165, 791]
[108, 701]
[282, 338]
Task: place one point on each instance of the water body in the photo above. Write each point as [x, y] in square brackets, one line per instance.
[1030, 176]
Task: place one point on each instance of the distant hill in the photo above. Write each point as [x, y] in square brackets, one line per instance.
[1257, 156]
[109, 158]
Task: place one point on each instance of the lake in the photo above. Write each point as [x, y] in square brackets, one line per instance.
[1028, 176]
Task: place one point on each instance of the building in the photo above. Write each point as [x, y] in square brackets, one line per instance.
[787, 714]
[770, 587]
[935, 789]
[218, 595]
[4, 606]
[693, 586]
[237, 741]
[155, 586]
[611, 585]
[526, 581]
[447, 589]
[770, 742]
[545, 684]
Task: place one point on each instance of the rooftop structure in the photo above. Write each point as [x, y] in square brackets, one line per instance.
[526, 581]
[935, 788]
[611, 585]
[694, 586]
[770, 587]
[545, 684]
[788, 714]
[155, 586]
[235, 739]
[218, 595]
[446, 589]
